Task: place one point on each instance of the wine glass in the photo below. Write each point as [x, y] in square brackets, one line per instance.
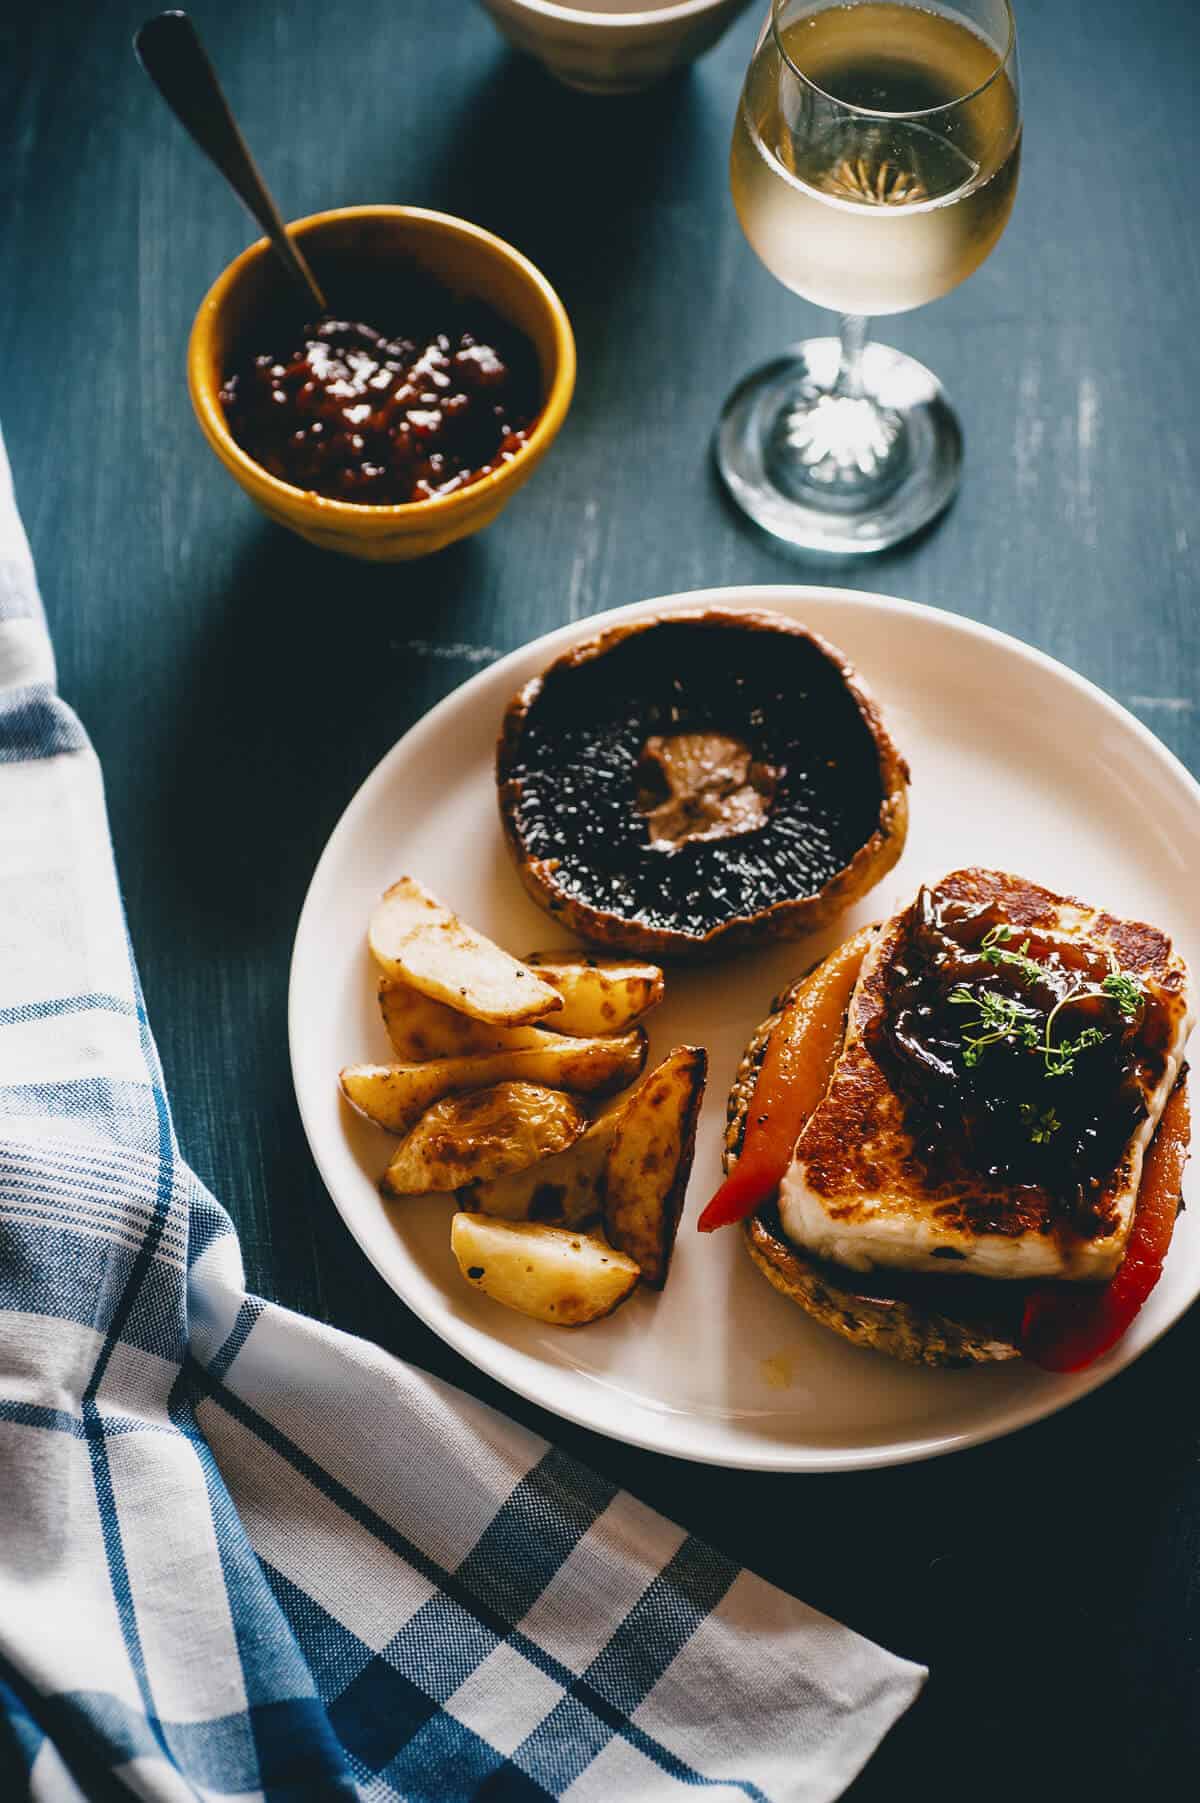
[874, 167]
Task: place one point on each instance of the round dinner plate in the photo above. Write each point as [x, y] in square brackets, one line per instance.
[1016, 763]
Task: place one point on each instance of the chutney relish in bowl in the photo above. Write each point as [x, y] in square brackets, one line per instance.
[435, 392]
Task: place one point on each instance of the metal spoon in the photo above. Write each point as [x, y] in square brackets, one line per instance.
[169, 50]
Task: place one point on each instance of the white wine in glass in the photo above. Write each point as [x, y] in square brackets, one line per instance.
[874, 167]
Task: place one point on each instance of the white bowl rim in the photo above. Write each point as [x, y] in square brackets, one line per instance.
[582, 15]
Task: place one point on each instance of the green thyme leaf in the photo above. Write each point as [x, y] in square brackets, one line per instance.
[992, 950]
[1043, 1123]
[1060, 1058]
[999, 1017]
[1002, 1018]
[1124, 990]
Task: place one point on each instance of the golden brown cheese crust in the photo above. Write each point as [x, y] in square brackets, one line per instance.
[856, 1155]
[944, 1326]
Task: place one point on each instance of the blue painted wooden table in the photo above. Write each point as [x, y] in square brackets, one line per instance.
[239, 685]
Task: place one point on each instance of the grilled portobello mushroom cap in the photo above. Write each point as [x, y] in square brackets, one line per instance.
[951, 1321]
[697, 782]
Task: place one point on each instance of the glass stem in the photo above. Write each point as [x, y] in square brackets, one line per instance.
[854, 331]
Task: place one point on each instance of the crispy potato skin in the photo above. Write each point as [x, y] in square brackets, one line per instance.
[396, 1095]
[896, 1325]
[646, 1176]
[482, 1134]
[566, 1189]
[788, 919]
[415, 937]
[600, 995]
[631, 1166]
[421, 1029]
[553, 1274]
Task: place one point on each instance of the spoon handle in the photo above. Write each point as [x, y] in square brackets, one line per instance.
[169, 50]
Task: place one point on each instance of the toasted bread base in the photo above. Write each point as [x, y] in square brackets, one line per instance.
[904, 1326]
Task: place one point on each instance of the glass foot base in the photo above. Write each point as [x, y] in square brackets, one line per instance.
[830, 473]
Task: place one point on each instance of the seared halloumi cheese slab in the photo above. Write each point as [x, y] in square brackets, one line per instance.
[856, 1192]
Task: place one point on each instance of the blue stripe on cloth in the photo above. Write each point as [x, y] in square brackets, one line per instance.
[443, 1643]
[374, 1707]
[61, 1720]
[36, 1217]
[67, 1004]
[564, 1744]
[333, 1654]
[33, 1414]
[447, 1762]
[114, 1552]
[20, 1743]
[285, 1739]
[95, 1732]
[687, 1590]
[510, 1785]
[432, 1655]
[72, 1162]
[621, 1677]
[236, 1338]
[165, 1193]
[215, 1752]
[35, 724]
[532, 1533]
[110, 1526]
[272, 1665]
[207, 1223]
[678, 1613]
[88, 1210]
[572, 1734]
[63, 1274]
[378, 1714]
[296, 1750]
[247, 1417]
[115, 1109]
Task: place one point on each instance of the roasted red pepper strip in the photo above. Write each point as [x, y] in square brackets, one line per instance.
[1066, 1330]
[792, 1078]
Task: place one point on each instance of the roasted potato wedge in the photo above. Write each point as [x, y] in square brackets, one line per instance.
[420, 1028]
[415, 937]
[599, 995]
[565, 1189]
[551, 1273]
[482, 1135]
[569, 1188]
[646, 1173]
[395, 1096]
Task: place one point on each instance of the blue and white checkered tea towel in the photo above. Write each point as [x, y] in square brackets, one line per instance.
[243, 1555]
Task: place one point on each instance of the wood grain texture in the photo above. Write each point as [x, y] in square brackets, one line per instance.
[239, 685]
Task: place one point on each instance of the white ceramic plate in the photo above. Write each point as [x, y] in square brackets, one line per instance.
[1017, 763]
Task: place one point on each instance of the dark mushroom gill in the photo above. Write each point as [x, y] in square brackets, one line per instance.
[576, 766]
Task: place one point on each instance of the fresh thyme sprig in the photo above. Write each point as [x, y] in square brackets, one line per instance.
[1043, 1123]
[1123, 989]
[992, 950]
[1000, 1017]
[1003, 1018]
[1060, 1058]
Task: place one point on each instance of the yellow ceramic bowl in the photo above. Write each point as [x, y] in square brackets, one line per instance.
[466, 259]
